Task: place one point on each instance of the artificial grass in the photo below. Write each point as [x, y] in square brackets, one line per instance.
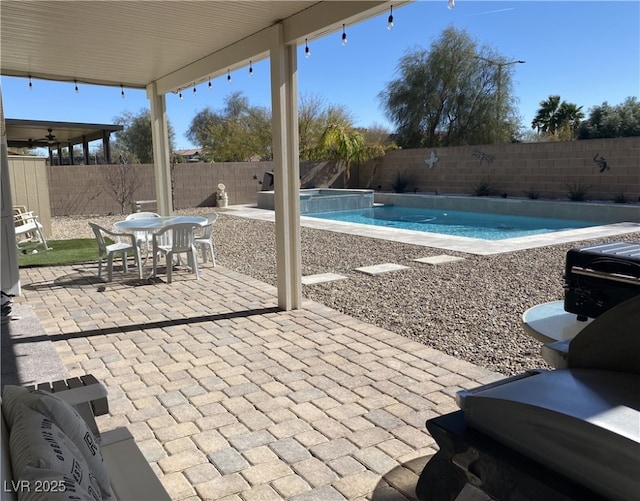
[74, 251]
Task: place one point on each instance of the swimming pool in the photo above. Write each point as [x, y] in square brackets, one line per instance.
[485, 226]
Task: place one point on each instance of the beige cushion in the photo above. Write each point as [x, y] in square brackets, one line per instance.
[36, 442]
[67, 419]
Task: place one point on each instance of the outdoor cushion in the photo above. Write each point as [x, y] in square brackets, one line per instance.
[36, 442]
[50, 485]
[67, 419]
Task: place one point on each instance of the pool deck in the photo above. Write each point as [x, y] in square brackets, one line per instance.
[447, 242]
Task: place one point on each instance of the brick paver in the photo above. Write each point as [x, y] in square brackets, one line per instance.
[231, 399]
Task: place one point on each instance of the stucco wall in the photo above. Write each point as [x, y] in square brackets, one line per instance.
[515, 169]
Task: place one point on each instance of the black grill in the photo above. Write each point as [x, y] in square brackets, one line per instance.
[598, 278]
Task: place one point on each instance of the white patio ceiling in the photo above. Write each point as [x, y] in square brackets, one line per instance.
[172, 43]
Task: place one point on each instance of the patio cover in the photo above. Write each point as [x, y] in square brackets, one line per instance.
[167, 46]
[33, 134]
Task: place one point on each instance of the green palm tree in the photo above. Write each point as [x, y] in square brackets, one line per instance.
[546, 119]
[569, 118]
[558, 118]
[344, 144]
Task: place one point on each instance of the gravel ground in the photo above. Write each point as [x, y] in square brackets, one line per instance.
[470, 309]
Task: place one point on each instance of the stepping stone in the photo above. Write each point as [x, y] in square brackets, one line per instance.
[440, 259]
[321, 278]
[382, 268]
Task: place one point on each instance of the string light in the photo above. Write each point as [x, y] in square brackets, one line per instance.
[30, 84]
[180, 94]
[76, 84]
[390, 20]
[210, 86]
[228, 76]
[194, 90]
[250, 69]
[307, 52]
[122, 91]
[451, 4]
[344, 36]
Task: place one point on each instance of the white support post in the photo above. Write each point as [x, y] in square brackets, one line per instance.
[161, 156]
[284, 96]
[10, 271]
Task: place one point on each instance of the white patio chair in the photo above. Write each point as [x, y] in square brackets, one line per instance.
[141, 236]
[205, 240]
[28, 229]
[119, 247]
[173, 240]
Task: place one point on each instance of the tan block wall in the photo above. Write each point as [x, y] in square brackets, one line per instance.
[516, 168]
[547, 168]
[196, 184]
[81, 189]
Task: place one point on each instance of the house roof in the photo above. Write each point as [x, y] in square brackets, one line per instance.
[33, 133]
[175, 44]
[187, 152]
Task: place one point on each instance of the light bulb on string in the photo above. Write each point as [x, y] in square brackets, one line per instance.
[344, 36]
[76, 84]
[307, 52]
[250, 69]
[451, 4]
[228, 76]
[30, 83]
[180, 94]
[122, 91]
[390, 20]
[195, 91]
[210, 86]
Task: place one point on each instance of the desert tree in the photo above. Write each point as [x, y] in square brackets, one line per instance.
[454, 93]
[135, 140]
[606, 121]
[236, 133]
[122, 180]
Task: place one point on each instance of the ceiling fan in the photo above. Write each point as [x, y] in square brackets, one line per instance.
[49, 138]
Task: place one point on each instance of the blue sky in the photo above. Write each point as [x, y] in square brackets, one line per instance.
[587, 52]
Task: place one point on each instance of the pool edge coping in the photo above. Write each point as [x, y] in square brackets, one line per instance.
[465, 245]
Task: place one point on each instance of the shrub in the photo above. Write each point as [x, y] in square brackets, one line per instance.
[484, 188]
[619, 198]
[577, 192]
[400, 182]
[532, 194]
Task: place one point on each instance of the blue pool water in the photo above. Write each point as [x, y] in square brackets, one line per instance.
[462, 224]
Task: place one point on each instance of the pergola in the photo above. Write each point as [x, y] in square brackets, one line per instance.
[57, 135]
[171, 45]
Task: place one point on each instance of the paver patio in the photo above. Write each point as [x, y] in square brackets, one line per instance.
[230, 398]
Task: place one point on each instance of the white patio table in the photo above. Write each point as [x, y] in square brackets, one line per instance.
[153, 224]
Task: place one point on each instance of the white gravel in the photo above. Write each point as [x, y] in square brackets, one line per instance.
[470, 309]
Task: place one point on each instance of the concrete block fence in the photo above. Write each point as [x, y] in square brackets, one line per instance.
[515, 169]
